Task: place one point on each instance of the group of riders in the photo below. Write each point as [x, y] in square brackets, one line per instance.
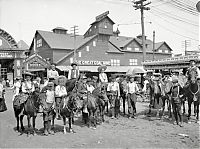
[159, 88]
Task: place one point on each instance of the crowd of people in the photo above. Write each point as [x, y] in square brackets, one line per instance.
[118, 89]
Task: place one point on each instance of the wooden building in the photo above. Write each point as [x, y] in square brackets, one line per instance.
[99, 45]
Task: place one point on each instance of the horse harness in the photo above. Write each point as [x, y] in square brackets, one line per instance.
[194, 94]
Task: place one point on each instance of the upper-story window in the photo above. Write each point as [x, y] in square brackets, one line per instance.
[129, 49]
[71, 60]
[106, 26]
[94, 43]
[115, 62]
[88, 48]
[166, 51]
[79, 54]
[160, 51]
[133, 61]
[39, 43]
[137, 49]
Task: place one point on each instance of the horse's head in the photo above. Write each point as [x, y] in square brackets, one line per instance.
[193, 77]
[73, 102]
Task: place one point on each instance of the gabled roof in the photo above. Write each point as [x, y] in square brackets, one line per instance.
[60, 41]
[113, 48]
[22, 45]
[97, 21]
[120, 41]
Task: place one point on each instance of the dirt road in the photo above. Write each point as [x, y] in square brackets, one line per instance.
[143, 132]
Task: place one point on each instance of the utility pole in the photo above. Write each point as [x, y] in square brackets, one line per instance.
[74, 29]
[140, 5]
[153, 44]
[186, 44]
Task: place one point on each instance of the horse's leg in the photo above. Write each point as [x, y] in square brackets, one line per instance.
[196, 103]
[183, 103]
[64, 124]
[53, 120]
[33, 119]
[89, 118]
[163, 106]
[70, 125]
[17, 118]
[29, 125]
[189, 108]
[95, 118]
[21, 122]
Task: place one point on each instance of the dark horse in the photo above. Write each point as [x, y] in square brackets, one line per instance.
[29, 108]
[193, 95]
[68, 106]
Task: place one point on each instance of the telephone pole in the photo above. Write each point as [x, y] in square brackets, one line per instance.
[186, 44]
[153, 44]
[140, 5]
[74, 29]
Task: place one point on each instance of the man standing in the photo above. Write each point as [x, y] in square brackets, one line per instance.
[132, 89]
[52, 74]
[74, 72]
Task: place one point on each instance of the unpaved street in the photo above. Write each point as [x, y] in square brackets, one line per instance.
[143, 132]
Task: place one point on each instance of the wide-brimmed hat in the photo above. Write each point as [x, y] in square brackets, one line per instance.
[95, 77]
[101, 67]
[60, 78]
[74, 63]
[193, 60]
[84, 77]
[50, 84]
[157, 74]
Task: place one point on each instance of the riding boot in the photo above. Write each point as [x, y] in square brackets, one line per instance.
[49, 128]
[45, 128]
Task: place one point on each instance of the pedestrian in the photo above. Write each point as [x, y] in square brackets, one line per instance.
[176, 93]
[132, 89]
[52, 74]
[48, 107]
[123, 91]
[3, 106]
[74, 72]
[60, 94]
[114, 94]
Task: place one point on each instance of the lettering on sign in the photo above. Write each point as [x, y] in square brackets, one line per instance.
[94, 63]
[6, 55]
[35, 65]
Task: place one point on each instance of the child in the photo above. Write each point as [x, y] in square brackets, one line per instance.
[176, 92]
[2, 99]
[16, 87]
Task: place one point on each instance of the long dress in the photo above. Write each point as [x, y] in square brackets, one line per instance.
[2, 99]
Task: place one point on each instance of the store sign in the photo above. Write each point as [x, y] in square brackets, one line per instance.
[35, 65]
[6, 55]
[94, 63]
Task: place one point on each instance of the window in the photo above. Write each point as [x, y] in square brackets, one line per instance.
[129, 49]
[87, 48]
[39, 43]
[105, 26]
[166, 51]
[95, 26]
[115, 62]
[79, 54]
[132, 61]
[94, 43]
[137, 49]
[160, 51]
[71, 60]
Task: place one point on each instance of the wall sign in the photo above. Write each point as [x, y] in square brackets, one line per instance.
[6, 55]
[94, 63]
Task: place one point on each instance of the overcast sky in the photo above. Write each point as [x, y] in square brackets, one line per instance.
[21, 18]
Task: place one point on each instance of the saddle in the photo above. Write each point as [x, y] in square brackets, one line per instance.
[20, 99]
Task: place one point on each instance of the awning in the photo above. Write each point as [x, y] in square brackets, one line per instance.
[64, 68]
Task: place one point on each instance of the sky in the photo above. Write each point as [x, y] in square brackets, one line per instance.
[21, 19]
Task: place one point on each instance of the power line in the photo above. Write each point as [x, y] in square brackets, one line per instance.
[173, 31]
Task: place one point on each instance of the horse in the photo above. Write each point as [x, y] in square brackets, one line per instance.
[101, 99]
[193, 95]
[69, 105]
[26, 105]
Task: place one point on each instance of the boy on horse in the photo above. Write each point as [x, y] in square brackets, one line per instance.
[61, 93]
[27, 85]
[114, 94]
[176, 93]
[193, 70]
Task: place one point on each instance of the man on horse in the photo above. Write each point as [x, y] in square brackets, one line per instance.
[52, 74]
[74, 72]
[193, 70]
[27, 85]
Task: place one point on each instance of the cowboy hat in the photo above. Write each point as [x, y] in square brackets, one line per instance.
[74, 63]
[84, 77]
[101, 67]
[157, 74]
[50, 84]
[60, 78]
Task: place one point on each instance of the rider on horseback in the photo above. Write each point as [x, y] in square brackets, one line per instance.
[193, 69]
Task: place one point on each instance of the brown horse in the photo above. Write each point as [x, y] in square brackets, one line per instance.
[29, 108]
[193, 95]
[69, 105]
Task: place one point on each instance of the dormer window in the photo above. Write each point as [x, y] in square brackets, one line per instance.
[160, 51]
[39, 43]
[129, 49]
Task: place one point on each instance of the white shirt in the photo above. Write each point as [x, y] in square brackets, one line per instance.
[60, 91]
[103, 77]
[113, 86]
[52, 74]
[132, 87]
[1, 90]
[27, 85]
[50, 96]
[17, 86]
[90, 88]
[75, 75]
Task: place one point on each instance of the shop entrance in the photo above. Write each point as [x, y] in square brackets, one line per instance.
[6, 67]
